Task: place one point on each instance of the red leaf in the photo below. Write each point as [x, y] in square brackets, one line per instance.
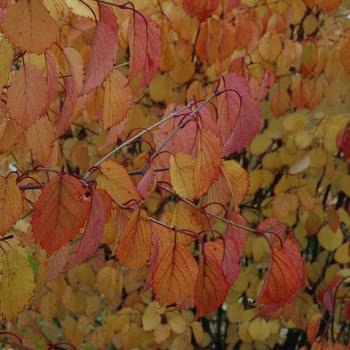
[104, 48]
[238, 234]
[60, 212]
[284, 278]
[211, 286]
[347, 311]
[239, 114]
[175, 274]
[343, 142]
[226, 253]
[145, 48]
[101, 205]
[327, 296]
[147, 183]
[202, 9]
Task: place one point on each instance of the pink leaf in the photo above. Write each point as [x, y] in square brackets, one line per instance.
[239, 114]
[145, 47]
[101, 205]
[104, 48]
[52, 74]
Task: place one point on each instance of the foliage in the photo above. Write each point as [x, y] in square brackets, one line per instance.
[174, 174]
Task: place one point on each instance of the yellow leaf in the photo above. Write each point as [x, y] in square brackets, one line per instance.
[151, 318]
[10, 203]
[117, 182]
[162, 333]
[177, 324]
[260, 144]
[16, 281]
[182, 174]
[259, 329]
[328, 239]
[344, 184]
[342, 254]
[198, 332]
[237, 180]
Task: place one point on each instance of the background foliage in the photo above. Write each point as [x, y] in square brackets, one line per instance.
[174, 174]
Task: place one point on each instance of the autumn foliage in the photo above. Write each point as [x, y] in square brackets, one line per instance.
[174, 174]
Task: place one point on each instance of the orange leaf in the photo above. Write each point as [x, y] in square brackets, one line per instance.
[145, 49]
[60, 212]
[207, 160]
[28, 25]
[202, 9]
[134, 247]
[117, 99]
[237, 180]
[175, 274]
[10, 203]
[40, 138]
[211, 286]
[27, 96]
[104, 47]
[117, 182]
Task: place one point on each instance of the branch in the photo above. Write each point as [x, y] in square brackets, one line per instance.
[205, 212]
[147, 130]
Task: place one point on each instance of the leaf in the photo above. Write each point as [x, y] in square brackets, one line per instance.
[285, 276]
[117, 99]
[211, 286]
[6, 54]
[41, 137]
[202, 9]
[182, 175]
[239, 114]
[104, 48]
[327, 295]
[175, 274]
[134, 246]
[11, 203]
[28, 25]
[237, 180]
[238, 234]
[16, 281]
[207, 160]
[73, 84]
[117, 182]
[27, 96]
[101, 205]
[226, 253]
[343, 141]
[188, 218]
[60, 212]
[52, 75]
[145, 48]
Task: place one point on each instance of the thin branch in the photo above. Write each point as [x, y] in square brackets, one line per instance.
[208, 212]
[143, 132]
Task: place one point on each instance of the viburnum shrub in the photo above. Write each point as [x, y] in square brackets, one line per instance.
[174, 174]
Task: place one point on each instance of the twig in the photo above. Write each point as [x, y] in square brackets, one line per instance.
[147, 130]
